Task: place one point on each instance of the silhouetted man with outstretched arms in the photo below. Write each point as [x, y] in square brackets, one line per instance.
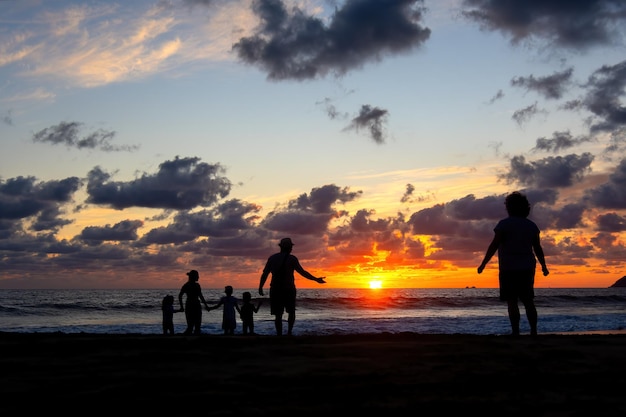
[282, 285]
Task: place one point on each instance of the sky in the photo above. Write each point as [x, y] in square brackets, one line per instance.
[140, 140]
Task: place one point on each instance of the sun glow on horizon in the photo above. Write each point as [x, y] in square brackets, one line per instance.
[376, 284]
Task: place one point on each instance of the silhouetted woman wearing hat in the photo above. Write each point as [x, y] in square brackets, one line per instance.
[192, 308]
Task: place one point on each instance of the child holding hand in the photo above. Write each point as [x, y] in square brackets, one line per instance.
[247, 313]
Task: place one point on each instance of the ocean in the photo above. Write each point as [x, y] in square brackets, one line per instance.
[319, 311]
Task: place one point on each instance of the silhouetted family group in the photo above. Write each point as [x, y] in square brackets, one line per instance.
[281, 266]
[516, 240]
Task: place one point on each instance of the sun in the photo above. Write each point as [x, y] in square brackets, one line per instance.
[376, 283]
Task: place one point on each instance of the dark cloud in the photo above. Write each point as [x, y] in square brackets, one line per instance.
[606, 89]
[574, 24]
[50, 219]
[498, 96]
[68, 134]
[8, 118]
[570, 216]
[546, 196]
[322, 199]
[407, 196]
[331, 110]
[171, 234]
[572, 105]
[228, 219]
[310, 213]
[24, 197]
[551, 87]
[521, 116]
[604, 240]
[560, 141]
[372, 119]
[617, 141]
[611, 222]
[363, 222]
[433, 221]
[297, 222]
[558, 171]
[612, 194]
[205, 3]
[181, 184]
[470, 208]
[124, 230]
[292, 45]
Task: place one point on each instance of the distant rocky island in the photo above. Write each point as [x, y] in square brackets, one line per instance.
[620, 282]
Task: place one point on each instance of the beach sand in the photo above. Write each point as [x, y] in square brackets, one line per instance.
[420, 374]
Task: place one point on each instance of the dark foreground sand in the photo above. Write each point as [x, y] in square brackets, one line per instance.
[380, 374]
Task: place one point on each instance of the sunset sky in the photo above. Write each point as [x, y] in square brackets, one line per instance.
[141, 139]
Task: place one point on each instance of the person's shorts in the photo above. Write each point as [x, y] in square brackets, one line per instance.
[517, 285]
[282, 299]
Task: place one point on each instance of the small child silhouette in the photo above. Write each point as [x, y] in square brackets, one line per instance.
[247, 313]
[167, 306]
[229, 319]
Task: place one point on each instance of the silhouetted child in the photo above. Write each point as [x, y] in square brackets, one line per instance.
[167, 306]
[229, 318]
[516, 239]
[247, 313]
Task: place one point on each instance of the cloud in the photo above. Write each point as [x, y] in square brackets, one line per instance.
[606, 90]
[68, 134]
[567, 24]
[205, 3]
[558, 171]
[8, 118]
[551, 86]
[373, 119]
[292, 45]
[331, 110]
[560, 141]
[432, 221]
[611, 222]
[523, 115]
[310, 213]
[124, 230]
[24, 197]
[91, 45]
[408, 193]
[50, 219]
[225, 220]
[498, 96]
[612, 194]
[181, 184]
[570, 216]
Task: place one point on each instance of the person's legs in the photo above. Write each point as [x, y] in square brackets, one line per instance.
[531, 314]
[527, 296]
[291, 319]
[278, 323]
[290, 308]
[189, 321]
[514, 316]
[197, 322]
